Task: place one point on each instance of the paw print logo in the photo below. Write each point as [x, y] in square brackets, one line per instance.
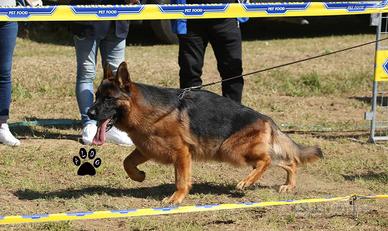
[87, 168]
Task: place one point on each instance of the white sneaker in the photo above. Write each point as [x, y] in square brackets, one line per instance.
[88, 133]
[6, 136]
[116, 136]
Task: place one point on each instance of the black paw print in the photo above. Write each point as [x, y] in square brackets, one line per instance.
[87, 168]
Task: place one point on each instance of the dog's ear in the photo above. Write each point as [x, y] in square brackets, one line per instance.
[122, 76]
[108, 74]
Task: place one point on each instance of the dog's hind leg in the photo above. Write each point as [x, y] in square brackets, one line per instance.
[182, 166]
[131, 163]
[259, 168]
[291, 177]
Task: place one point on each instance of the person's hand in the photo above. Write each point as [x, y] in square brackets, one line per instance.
[132, 2]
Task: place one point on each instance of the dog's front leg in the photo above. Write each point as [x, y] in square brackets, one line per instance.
[131, 163]
[182, 166]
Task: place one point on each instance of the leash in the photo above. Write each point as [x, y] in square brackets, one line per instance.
[188, 89]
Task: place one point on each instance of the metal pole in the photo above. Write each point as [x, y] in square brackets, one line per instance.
[375, 86]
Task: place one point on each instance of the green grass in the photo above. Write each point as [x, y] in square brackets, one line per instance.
[313, 83]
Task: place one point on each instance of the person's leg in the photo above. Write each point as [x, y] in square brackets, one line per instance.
[192, 47]
[113, 53]
[8, 33]
[225, 38]
[86, 52]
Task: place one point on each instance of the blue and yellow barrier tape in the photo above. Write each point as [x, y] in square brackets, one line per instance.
[37, 218]
[194, 11]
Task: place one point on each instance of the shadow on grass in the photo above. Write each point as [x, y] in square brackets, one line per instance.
[370, 176]
[381, 100]
[155, 192]
[29, 128]
[333, 135]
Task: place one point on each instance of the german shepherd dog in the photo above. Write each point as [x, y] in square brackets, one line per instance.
[172, 127]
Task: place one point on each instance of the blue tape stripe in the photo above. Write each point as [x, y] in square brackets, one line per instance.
[165, 209]
[79, 214]
[193, 10]
[124, 211]
[107, 11]
[35, 216]
[276, 8]
[207, 206]
[26, 12]
[248, 203]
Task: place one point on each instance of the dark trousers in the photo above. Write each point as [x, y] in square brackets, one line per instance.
[225, 37]
[8, 33]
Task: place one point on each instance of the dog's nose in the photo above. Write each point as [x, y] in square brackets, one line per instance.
[92, 113]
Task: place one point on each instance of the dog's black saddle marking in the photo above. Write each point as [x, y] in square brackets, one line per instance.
[210, 115]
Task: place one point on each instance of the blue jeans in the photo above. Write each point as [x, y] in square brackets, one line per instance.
[112, 51]
[8, 33]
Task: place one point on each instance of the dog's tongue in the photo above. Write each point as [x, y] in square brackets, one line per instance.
[99, 139]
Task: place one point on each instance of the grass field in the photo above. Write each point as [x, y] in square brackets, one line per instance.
[318, 102]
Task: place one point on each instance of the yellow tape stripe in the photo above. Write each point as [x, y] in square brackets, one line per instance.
[153, 11]
[164, 211]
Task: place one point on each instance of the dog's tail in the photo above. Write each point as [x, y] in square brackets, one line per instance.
[284, 149]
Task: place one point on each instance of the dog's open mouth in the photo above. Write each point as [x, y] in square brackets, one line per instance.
[103, 127]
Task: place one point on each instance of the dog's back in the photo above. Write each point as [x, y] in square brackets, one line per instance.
[217, 117]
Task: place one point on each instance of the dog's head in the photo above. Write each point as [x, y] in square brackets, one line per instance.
[112, 99]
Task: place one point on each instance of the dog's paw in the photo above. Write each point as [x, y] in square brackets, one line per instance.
[139, 176]
[166, 201]
[86, 168]
[171, 201]
[243, 185]
[286, 188]
[175, 199]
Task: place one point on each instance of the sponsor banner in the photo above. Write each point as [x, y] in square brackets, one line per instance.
[381, 72]
[153, 12]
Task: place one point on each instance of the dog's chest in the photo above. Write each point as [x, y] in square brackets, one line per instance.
[161, 149]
